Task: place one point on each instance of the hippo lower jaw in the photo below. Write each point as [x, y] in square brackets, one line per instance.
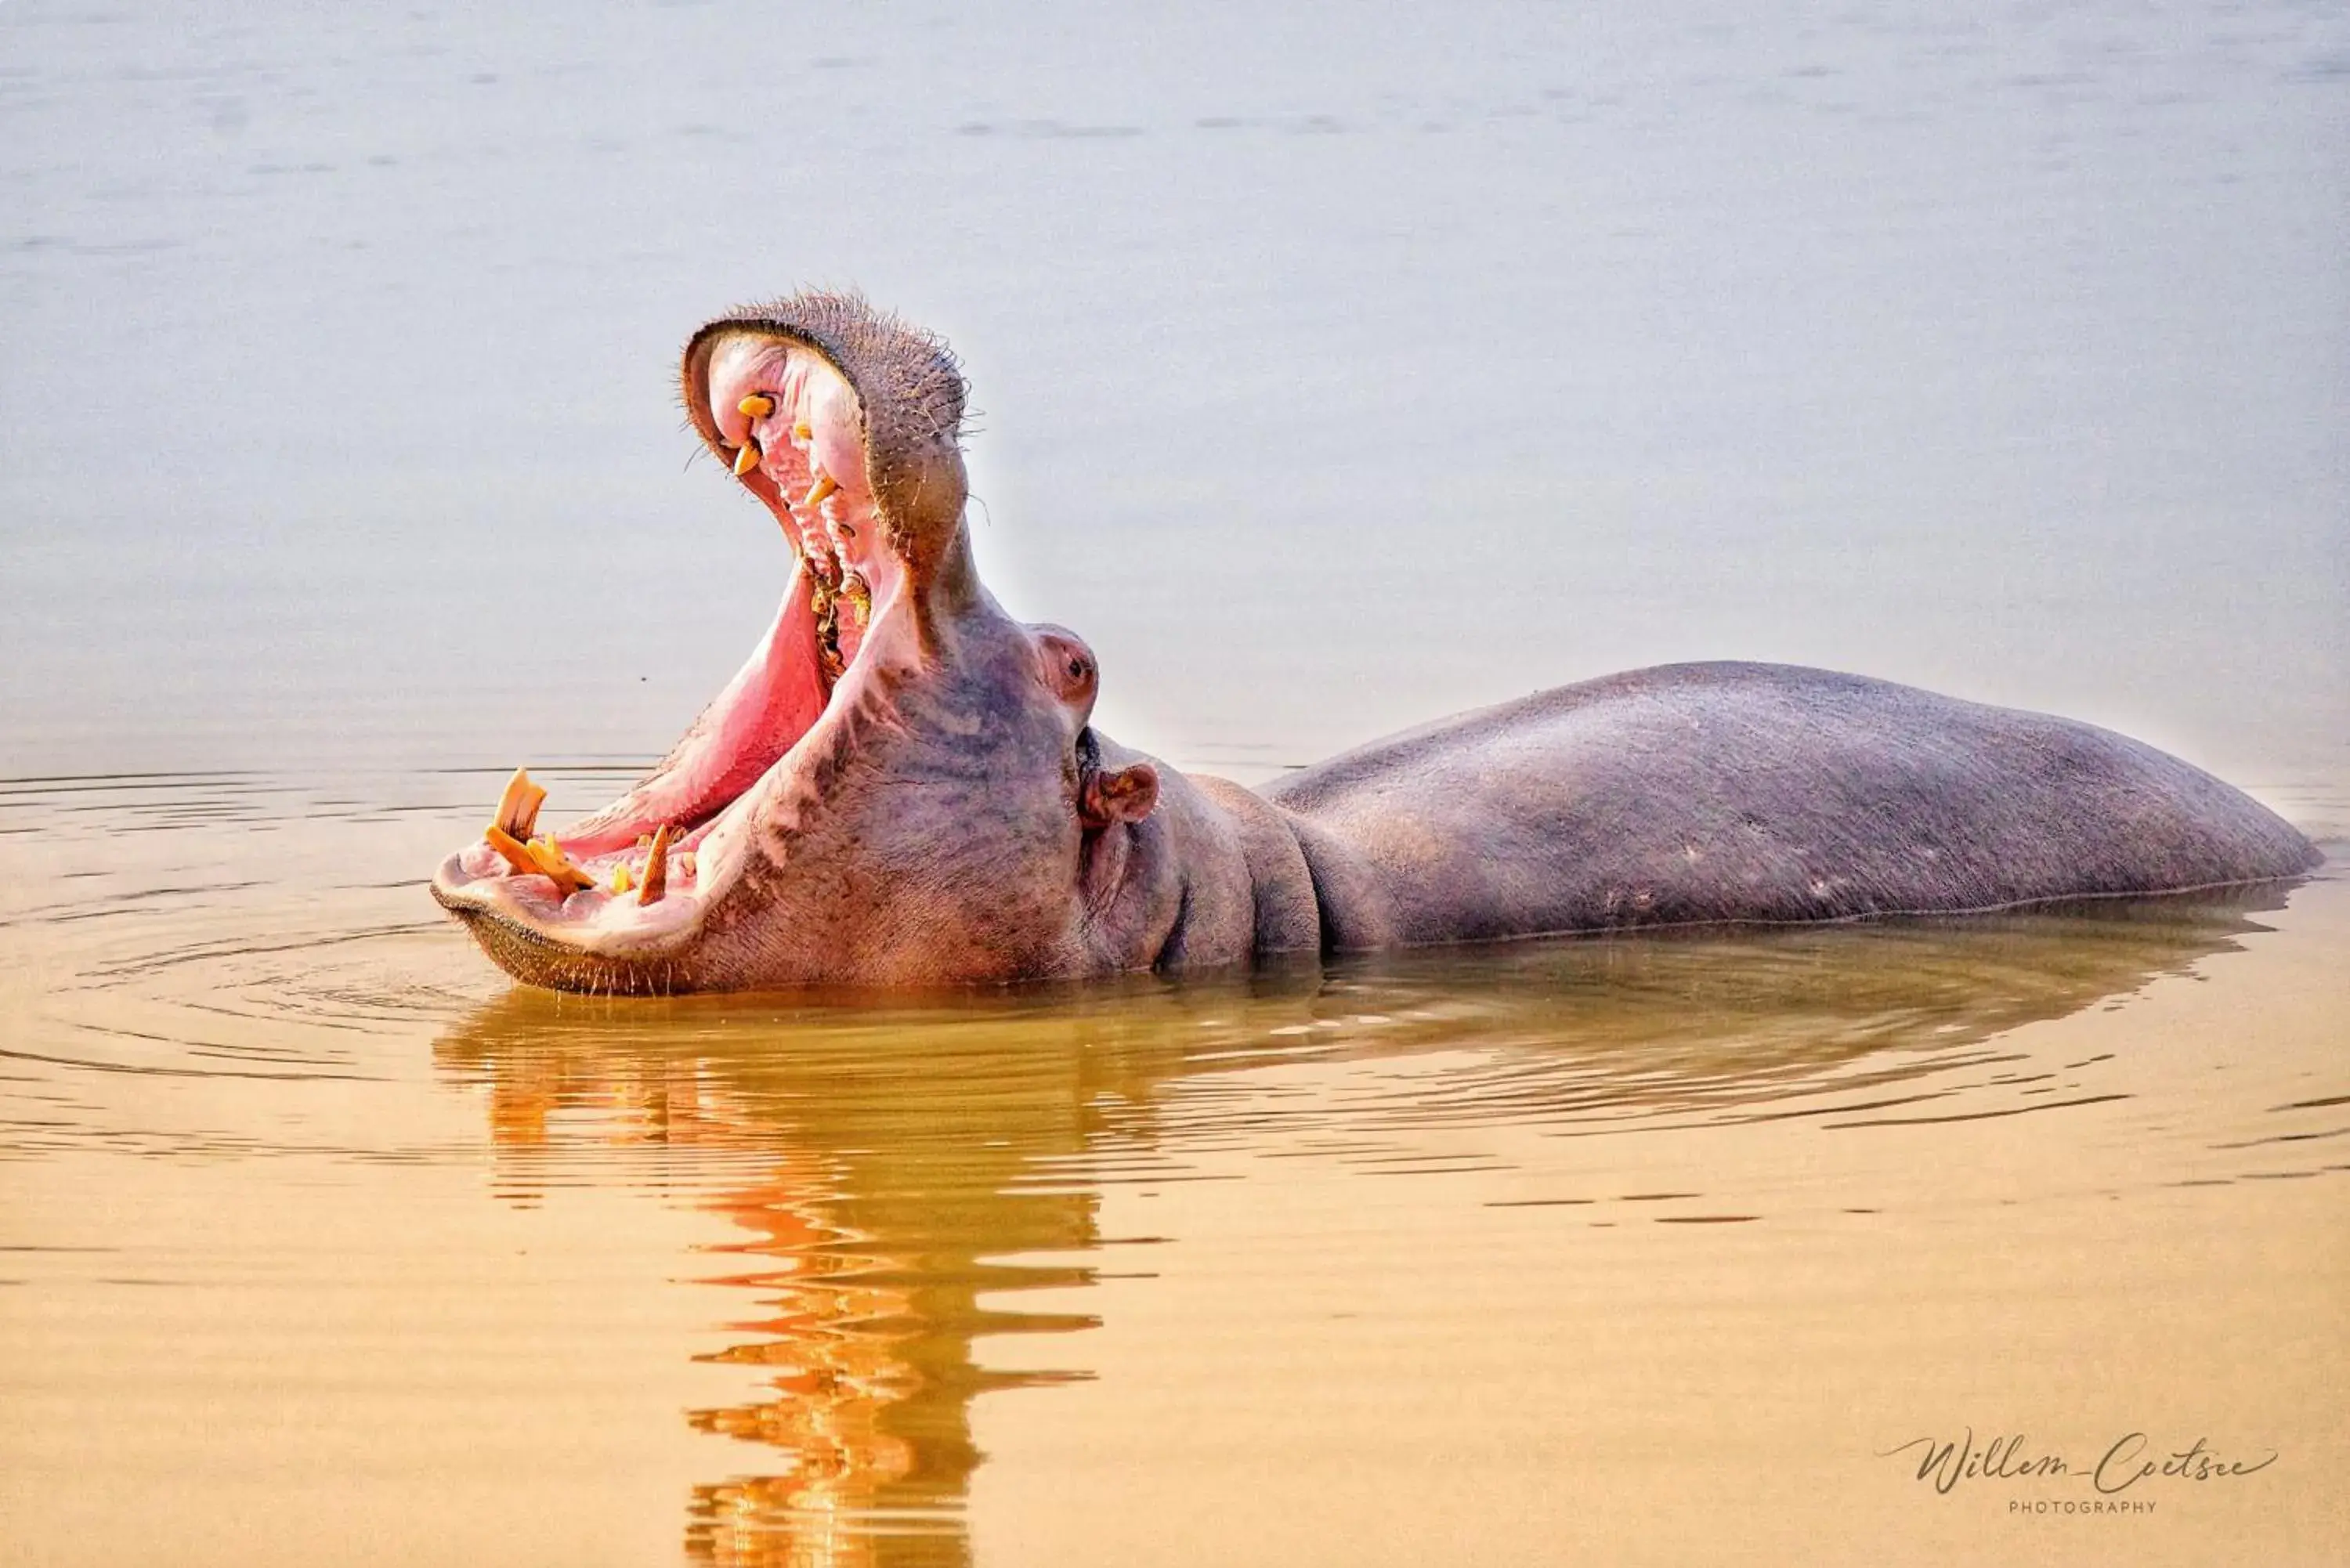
[770, 736]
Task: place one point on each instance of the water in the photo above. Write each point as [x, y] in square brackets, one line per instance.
[1334, 372]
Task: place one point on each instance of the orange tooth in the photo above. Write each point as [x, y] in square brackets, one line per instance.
[804, 431]
[622, 880]
[516, 852]
[518, 807]
[748, 457]
[656, 882]
[757, 406]
[685, 864]
[557, 865]
[825, 485]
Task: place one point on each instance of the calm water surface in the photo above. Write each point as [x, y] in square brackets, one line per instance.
[325, 1244]
[1334, 372]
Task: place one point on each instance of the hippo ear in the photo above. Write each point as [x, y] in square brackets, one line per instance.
[1126, 795]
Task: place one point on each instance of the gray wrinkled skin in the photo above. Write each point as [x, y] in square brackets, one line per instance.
[954, 820]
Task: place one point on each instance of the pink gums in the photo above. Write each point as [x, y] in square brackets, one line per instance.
[813, 426]
[768, 706]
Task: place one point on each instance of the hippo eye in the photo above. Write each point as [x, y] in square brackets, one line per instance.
[1066, 666]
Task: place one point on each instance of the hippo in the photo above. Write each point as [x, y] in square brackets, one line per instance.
[903, 788]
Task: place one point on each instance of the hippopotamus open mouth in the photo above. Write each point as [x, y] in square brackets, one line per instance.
[902, 786]
[831, 814]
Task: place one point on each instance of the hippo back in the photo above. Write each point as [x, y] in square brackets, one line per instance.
[1760, 792]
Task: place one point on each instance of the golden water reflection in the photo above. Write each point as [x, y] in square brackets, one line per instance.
[900, 1175]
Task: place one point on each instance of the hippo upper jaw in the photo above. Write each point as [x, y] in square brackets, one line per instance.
[848, 425]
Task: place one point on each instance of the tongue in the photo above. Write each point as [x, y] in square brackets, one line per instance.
[768, 705]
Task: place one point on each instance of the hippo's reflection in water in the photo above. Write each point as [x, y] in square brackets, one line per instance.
[889, 1168]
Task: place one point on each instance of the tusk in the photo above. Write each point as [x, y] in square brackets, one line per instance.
[557, 865]
[539, 858]
[748, 457]
[518, 806]
[656, 882]
[757, 406]
[516, 852]
[824, 486]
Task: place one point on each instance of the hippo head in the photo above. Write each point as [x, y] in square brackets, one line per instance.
[899, 787]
